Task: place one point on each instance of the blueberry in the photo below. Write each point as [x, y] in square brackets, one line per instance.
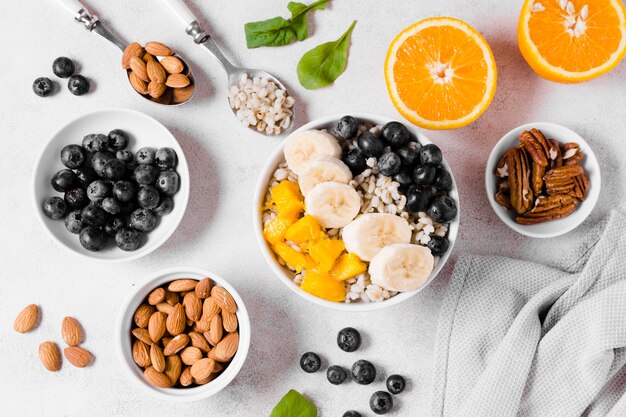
[86, 176]
[396, 384]
[99, 190]
[166, 158]
[408, 156]
[128, 239]
[125, 156]
[442, 209]
[389, 164]
[166, 205]
[72, 156]
[111, 205]
[336, 375]
[143, 220]
[95, 143]
[352, 413]
[129, 207]
[396, 134]
[78, 85]
[148, 197]
[114, 169]
[370, 144]
[381, 402]
[64, 180]
[355, 160]
[92, 238]
[74, 222]
[431, 154]
[76, 198]
[438, 245]
[54, 207]
[124, 191]
[310, 362]
[403, 178]
[145, 174]
[118, 139]
[348, 339]
[43, 86]
[363, 372]
[424, 174]
[93, 215]
[99, 160]
[168, 182]
[113, 225]
[416, 199]
[347, 127]
[63, 67]
[146, 155]
[443, 179]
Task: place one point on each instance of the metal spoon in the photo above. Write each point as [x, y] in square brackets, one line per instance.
[93, 24]
[234, 73]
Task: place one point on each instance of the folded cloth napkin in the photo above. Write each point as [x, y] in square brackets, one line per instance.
[520, 339]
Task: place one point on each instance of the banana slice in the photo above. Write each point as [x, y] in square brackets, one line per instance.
[401, 267]
[323, 169]
[371, 232]
[333, 204]
[301, 147]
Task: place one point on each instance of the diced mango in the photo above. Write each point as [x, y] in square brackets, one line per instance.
[274, 231]
[288, 199]
[307, 229]
[325, 252]
[348, 266]
[296, 260]
[321, 285]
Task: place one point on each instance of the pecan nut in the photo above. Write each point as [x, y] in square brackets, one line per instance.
[560, 180]
[572, 154]
[538, 172]
[502, 169]
[504, 199]
[549, 208]
[555, 150]
[537, 146]
[519, 180]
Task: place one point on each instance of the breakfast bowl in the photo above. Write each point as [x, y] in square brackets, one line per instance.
[360, 292]
[570, 200]
[142, 131]
[192, 351]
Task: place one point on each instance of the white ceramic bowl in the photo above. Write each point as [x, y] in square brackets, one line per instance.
[556, 227]
[284, 274]
[143, 131]
[123, 337]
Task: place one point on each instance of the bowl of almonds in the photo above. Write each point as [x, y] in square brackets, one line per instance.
[542, 179]
[183, 335]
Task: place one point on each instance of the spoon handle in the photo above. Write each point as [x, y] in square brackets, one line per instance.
[181, 11]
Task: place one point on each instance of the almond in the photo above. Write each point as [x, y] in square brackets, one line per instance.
[181, 95]
[155, 71]
[230, 322]
[176, 345]
[218, 367]
[190, 355]
[181, 285]
[158, 49]
[156, 89]
[227, 347]
[202, 369]
[198, 340]
[173, 368]
[171, 297]
[216, 330]
[141, 355]
[156, 326]
[137, 83]
[164, 308]
[224, 299]
[71, 331]
[148, 57]
[157, 358]
[27, 319]
[206, 380]
[156, 378]
[165, 98]
[78, 356]
[142, 315]
[176, 320]
[185, 377]
[156, 296]
[166, 340]
[172, 65]
[203, 289]
[210, 308]
[50, 356]
[193, 306]
[133, 49]
[177, 81]
[143, 335]
[139, 67]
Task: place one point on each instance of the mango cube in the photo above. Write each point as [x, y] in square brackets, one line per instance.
[320, 284]
[274, 231]
[325, 252]
[288, 200]
[307, 229]
[296, 260]
[348, 266]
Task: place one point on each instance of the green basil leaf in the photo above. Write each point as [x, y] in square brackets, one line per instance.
[323, 64]
[279, 31]
[294, 404]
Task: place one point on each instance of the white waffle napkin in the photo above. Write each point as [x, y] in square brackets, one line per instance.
[520, 339]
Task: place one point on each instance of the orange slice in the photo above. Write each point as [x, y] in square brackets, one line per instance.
[440, 73]
[572, 41]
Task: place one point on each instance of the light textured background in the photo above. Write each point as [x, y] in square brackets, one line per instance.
[225, 161]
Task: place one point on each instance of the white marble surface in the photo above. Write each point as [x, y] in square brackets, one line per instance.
[225, 161]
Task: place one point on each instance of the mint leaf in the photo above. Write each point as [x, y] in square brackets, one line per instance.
[294, 404]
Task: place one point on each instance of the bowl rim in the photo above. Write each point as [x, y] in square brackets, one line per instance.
[278, 270]
[185, 187]
[531, 230]
[123, 338]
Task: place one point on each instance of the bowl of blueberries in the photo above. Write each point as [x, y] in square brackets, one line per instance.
[112, 185]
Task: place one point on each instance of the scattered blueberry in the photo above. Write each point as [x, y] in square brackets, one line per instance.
[310, 362]
[403, 178]
[363, 372]
[396, 134]
[438, 245]
[78, 85]
[94, 216]
[145, 174]
[431, 154]
[95, 143]
[128, 239]
[99, 160]
[352, 413]
[64, 180]
[166, 205]
[336, 375]
[148, 197]
[63, 67]
[54, 207]
[99, 190]
[166, 158]
[370, 144]
[143, 220]
[356, 160]
[348, 339]
[442, 209]
[92, 238]
[111, 205]
[389, 164]
[409, 157]
[381, 402]
[443, 179]
[43, 86]
[86, 176]
[168, 182]
[72, 156]
[125, 191]
[396, 384]
[114, 169]
[416, 199]
[76, 198]
[118, 139]
[74, 222]
[424, 175]
[146, 155]
[347, 127]
[124, 155]
[113, 225]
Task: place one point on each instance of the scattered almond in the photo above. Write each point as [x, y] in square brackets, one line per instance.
[199, 341]
[157, 358]
[172, 298]
[181, 285]
[138, 66]
[155, 71]
[27, 319]
[142, 315]
[50, 356]
[164, 308]
[230, 322]
[185, 377]
[143, 335]
[227, 347]
[224, 299]
[216, 330]
[138, 84]
[71, 331]
[156, 326]
[173, 368]
[203, 289]
[158, 49]
[177, 81]
[156, 378]
[141, 355]
[78, 356]
[181, 95]
[133, 49]
[190, 355]
[172, 65]
[176, 320]
[175, 345]
[193, 306]
[156, 89]
[156, 296]
[202, 369]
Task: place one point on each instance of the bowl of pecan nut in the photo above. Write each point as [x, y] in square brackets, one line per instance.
[542, 179]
